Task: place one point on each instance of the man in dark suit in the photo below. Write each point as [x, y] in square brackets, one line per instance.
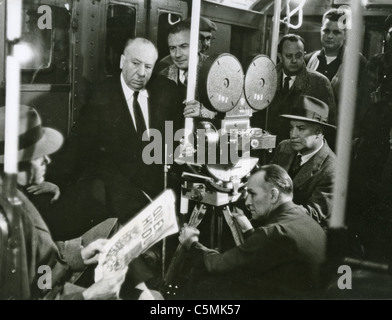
[308, 159]
[294, 79]
[279, 259]
[105, 149]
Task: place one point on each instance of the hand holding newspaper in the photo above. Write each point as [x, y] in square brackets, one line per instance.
[152, 224]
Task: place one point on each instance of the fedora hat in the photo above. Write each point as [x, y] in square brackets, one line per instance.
[35, 141]
[310, 109]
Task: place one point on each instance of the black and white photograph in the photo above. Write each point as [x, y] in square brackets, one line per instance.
[209, 151]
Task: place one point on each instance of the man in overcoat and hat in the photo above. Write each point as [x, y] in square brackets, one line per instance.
[307, 157]
[35, 250]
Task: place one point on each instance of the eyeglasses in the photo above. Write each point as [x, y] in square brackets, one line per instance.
[208, 38]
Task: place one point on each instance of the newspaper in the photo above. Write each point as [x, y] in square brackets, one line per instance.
[152, 224]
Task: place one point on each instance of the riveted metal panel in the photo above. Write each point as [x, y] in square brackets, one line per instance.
[88, 26]
[89, 41]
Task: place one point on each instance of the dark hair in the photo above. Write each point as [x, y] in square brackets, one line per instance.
[278, 177]
[334, 14]
[184, 25]
[289, 37]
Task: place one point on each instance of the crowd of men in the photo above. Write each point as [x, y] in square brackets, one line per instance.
[100, 179]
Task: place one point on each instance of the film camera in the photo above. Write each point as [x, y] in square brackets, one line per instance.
[221, 159]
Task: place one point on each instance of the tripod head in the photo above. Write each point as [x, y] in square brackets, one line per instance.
[219, 186]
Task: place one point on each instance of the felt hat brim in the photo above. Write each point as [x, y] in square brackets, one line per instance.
[292, 117]
[50, 142]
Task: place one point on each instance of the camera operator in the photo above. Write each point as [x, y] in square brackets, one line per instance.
[280, 257]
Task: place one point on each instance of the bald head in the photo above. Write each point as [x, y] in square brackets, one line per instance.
[137, 62]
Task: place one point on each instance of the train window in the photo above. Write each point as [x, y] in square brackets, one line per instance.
[121, 24]
[240, 4]
[244, 43]
[310, 32]
[374, 36]
[45, 45]
[166, 20]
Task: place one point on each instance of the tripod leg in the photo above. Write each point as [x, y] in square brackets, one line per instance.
[212, 229]
[173, 270]
[235, 230]
[220, 233]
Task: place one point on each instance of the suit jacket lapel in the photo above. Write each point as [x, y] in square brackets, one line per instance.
[301, 81]
[296, 89]
[311, 167]
[124, 122]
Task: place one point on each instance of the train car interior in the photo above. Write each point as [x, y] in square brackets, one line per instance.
[67, 47]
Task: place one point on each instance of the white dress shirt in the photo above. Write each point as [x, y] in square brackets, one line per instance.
[143, 101]
[291, 82]
[305, 158]
[182, 76]
[329, 59]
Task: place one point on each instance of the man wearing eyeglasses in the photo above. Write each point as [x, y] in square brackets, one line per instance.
[205, 34]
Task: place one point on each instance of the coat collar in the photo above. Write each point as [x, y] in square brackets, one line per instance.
[309, 168]
[276, 215]
[312, 166]
[342, 50]
[300, 82]
[172, 72]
